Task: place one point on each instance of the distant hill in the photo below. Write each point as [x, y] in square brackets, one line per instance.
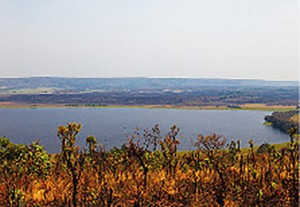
[88, 84]
[147, 91]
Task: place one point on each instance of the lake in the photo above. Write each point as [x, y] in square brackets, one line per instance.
[111, 126]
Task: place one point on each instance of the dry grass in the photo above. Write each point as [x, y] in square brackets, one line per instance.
[250, 179]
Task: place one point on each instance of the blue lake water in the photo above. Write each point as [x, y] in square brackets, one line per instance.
[111, 126]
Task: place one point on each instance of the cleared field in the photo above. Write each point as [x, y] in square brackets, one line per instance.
[242, 107]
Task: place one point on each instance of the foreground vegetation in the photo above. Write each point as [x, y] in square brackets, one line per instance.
[148, 171]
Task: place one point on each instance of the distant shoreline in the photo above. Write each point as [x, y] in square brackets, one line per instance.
[262, 107]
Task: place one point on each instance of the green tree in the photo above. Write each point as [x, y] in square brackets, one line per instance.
[71, 154]
[19, 166]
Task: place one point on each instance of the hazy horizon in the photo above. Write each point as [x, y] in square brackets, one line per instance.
[242, 79]
[230, 39]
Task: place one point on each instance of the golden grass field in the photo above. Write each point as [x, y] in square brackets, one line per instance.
[215, 174]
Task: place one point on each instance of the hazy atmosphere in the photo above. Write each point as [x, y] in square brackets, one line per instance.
[252, 39]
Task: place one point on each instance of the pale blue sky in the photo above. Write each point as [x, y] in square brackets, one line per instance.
[252, 39]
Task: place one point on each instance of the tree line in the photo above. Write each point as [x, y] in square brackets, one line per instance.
[284, 121]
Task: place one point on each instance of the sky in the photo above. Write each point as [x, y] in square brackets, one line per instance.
[247, 39]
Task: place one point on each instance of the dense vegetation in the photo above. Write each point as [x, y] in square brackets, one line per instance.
[284, 121]
[148, 171]
[201, 97]
[147, 91]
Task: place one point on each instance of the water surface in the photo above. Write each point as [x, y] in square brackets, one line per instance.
[111, 125]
